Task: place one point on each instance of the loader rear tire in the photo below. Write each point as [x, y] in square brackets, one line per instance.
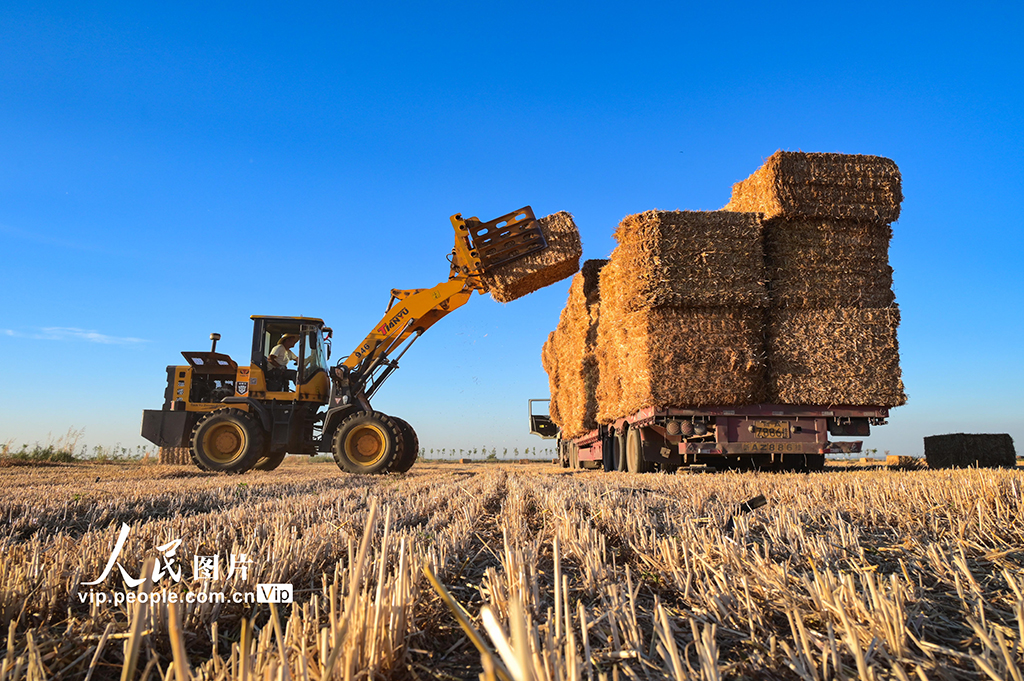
[227, 441]
[368, 443]
[635, 461]
[270, 462]
[410, 446]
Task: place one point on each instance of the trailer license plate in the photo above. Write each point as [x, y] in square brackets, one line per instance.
[771, 430]
[771, 447]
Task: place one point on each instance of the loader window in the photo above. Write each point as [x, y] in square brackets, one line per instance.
[313, 359]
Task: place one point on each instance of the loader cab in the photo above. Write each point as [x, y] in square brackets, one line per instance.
[308, 376]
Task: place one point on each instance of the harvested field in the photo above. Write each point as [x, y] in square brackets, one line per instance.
[817, 263]
[963, 450]
[690, 258]
[837, 186]
[572, 344]
[869, 574]
[560, 260]
[839, 356]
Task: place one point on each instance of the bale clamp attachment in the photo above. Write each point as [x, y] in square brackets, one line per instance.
[480, 247]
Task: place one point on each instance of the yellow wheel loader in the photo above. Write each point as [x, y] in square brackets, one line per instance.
[235, 417]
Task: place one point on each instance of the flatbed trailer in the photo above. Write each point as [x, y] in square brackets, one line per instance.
[779, 437]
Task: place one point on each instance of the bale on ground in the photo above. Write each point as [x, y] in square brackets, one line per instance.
[839, 186]
[824, 263]
[559, 260]
[690, 258]
[841, 356]
[177, 456]
[962, 450]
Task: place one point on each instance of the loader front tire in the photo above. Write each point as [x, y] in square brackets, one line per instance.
[227, 441]
[367, 442]
[410, 446]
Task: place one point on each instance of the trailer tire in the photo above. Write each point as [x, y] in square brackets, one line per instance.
[635, 461]
[619, 451]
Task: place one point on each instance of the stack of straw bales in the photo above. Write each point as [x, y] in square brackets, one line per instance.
[681, 313]
[568, 355]
[783, 297]
[832, 317]
[561, 259]
[961, 450]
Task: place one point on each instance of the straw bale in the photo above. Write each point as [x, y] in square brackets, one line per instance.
[843, 355]
[691, 258]
[611, 341]
[962, 450]
[549, 360]
[561, 259]
[573, 350]
[178, 456]
[823, 263]
[674, 356]
[839, 186]
[691, 357]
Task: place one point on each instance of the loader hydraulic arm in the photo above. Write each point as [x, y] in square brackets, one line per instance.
[480, 247]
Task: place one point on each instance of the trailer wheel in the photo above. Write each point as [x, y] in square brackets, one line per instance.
[270, 462]
[635, 462]
[410, 446]
[227, 441]
[619, 451]
[367, 442]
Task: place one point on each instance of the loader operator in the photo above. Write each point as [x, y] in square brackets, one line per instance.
[278, 373]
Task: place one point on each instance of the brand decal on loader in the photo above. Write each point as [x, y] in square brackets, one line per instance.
[384, 328]
[243, 388]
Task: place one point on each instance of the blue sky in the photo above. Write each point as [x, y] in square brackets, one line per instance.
[167, 171]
